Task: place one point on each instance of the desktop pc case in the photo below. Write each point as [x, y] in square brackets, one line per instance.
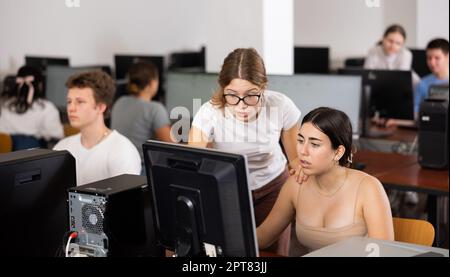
[433, 134]
[113, 217]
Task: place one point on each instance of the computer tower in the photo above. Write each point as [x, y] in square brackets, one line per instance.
[433, 134]
[113, 217]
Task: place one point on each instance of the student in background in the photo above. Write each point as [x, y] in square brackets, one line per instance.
[335, 202]
[437, 60]
[244, 117]
[390, 53]
[99, 152]
[26, 115]
[136, 116]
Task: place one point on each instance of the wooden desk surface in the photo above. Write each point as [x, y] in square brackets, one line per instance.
[378, 163]
[398, 133]
[397, 170]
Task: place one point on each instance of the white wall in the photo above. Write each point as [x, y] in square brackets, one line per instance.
[97, 29]
[403, 12]
[231, 24]
[100, 28]
[348, 27]
[432, 20]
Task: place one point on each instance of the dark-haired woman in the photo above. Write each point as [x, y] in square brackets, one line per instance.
[335, 202]
[26, 115]
[135, 115]
[244, 117]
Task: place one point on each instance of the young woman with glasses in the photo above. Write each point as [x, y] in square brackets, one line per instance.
[244, 117]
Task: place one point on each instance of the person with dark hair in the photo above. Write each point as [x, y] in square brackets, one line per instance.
[390, 53]
[245, 117]
[136, 116]
[99, 152]
[437, 60]
[335, 202]
[26, 114]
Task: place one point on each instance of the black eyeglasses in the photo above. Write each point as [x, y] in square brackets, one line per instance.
[249, 100]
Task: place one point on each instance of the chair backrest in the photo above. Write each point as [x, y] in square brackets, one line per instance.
[413, 231]
[69, 130]
[5, 143]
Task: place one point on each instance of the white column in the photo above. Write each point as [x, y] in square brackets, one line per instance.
[264, 25]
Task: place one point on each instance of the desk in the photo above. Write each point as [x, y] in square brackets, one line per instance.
[399, 137]
[402, 172]
[368, 247]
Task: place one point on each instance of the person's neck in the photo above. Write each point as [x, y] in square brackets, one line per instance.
[442, 75]
[331, 180]
[93, 134]
[145, 95]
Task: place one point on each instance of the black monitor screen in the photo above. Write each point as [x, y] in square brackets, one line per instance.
[123, 63]
[311, 60]
[203, 202]
[419, 62]
[33, 201]
[188, 60]
[43, 62]
[391, 92]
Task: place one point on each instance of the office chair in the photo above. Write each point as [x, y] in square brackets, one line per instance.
[5, 143]
[413, 231]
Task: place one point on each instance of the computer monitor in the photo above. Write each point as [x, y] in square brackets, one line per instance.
[311, 60]
[191, 61]
[202, 198]
[33, 201]
[123, 63]
[391, 92]
[43, 62]
[56, 79]
[419, 62]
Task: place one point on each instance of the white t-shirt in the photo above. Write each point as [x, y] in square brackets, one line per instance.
[258, 140]
[113, 156]
[377, 59]
[41, 120]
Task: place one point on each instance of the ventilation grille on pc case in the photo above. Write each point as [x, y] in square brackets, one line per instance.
[92, 218]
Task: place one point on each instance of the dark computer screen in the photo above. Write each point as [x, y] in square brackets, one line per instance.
[33, 201]
[203, 202]
[391, 92]
[188, 61]
[419, 62]
[311, 60]
[123, 63]
[43, 62]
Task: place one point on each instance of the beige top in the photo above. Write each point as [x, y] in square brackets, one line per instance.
[314, 238]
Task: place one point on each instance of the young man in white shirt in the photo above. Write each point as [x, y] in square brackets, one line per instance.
[99, 152]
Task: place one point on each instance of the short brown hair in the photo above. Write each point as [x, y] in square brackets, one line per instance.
[242, 63]
[140, 74]
[101, 83]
